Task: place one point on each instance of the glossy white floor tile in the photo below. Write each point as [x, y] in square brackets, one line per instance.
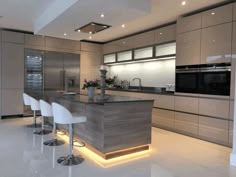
[23, 155]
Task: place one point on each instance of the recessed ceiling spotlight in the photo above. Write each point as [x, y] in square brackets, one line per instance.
[79, 31]
[161, 33]
[90, 37]
[123, 42]
[90, 32]
[102, 15]
[123, 25]
[65, 34]
[213, 13]
[183, 3]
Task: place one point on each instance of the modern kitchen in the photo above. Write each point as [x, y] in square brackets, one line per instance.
[124, 90]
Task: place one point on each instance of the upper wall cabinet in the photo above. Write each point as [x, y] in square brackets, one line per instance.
[216, 42]
[12, 66]
[188, 48]
[14, 37]
[143, 39]
[189, 23]
[165, 34]
[217, 16]
[234, 11]
[34, 40]
[119, 45]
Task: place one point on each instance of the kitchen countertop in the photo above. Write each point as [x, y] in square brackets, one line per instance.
[150, 91]
[84, 98]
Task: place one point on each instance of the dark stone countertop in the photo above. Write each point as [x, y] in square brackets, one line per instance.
[84, 98]
[145, 90]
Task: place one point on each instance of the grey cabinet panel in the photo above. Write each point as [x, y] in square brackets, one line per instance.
[186, 104]
[51, 42]
[216, 44]
[188, 46]
[213, 107]
[234, 42]
[119, 45]
[34, 40]
[165, 34]
[234, 11]
[231, 112]
[14, 37]
[12, 102]
[143, 39]
[215, 130]
[217, 16]
[163, 118]
[186, 123]
[231, 128]
[12, 65]
[164, 101]
[189, 23]
[53, 71]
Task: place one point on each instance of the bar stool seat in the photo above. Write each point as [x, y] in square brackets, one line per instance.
[34, 108]
[64, 116]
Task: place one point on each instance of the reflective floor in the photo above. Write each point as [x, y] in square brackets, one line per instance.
[23, 154]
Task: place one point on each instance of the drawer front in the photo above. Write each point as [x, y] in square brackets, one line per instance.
[186, 123]
[212, 107]
[215, 130]
[217, 16]
[186, 104]
[163, 118]
[164, 101]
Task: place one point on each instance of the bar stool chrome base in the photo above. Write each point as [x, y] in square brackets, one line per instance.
[54, 142]
[43, 132]
[70, 160]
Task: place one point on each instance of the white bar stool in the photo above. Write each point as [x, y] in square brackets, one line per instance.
[34, 104]
[63, 116]
[46, 111]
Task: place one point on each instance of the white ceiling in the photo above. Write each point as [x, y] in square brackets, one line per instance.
[56, 17]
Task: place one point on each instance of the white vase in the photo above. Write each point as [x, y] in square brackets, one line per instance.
[91, 92]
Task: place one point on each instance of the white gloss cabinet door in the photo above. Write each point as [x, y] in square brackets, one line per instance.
[216, 44]
[188, 48]
[217, 16]
[189, 23]
[12, 65]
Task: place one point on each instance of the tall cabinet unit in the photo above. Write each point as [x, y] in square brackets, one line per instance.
[12, 73]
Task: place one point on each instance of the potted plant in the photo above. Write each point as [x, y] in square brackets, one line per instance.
[110, 81]
[90, 85]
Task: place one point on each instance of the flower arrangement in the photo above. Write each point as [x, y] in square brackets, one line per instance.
[110, 80]
[90, 83]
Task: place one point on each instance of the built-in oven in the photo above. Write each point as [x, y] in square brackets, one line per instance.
[186, 80]
[211, 79]
[215, 79]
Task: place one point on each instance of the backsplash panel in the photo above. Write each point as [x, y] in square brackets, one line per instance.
[152, 74]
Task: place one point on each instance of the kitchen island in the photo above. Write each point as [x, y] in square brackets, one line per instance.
[115, 126]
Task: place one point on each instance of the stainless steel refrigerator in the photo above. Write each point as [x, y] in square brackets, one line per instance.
[62, 71]
[53, 71]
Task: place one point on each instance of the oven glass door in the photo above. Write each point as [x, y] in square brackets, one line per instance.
[214, 83]
[187, 82]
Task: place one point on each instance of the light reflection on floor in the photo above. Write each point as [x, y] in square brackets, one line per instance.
[23, 154]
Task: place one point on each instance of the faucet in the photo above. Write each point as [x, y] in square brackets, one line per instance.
[139, 82]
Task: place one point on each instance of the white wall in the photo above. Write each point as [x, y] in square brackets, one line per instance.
[152, 74]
